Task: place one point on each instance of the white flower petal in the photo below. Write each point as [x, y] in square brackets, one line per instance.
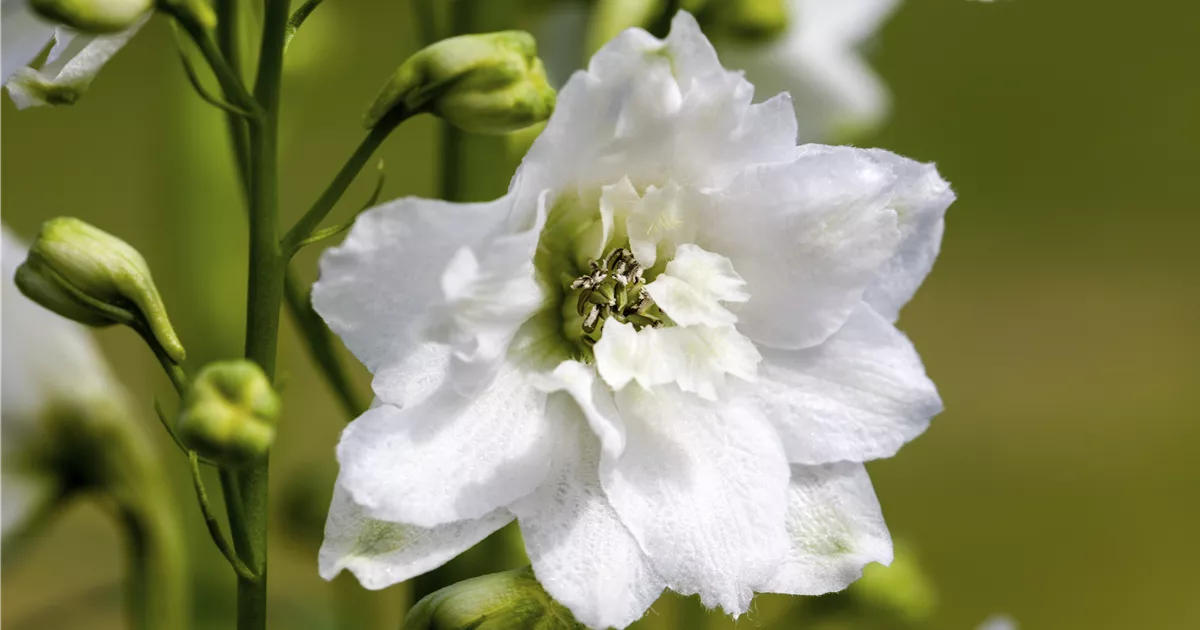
[624, 354]
[703, 489]
[377, 285]
[591, 139]
[595, 399]
[659, 221]
[836, 528]
[23, 34]
[381, 553]
[861, 395]
[705, 355]
[920, 202]
[694, 285]
[451, 457]
[808, 237]
[71, 67]
[581, 553]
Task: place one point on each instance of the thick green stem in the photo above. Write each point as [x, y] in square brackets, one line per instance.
[265, 295]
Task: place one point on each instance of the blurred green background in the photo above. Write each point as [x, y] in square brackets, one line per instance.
[1062, 323]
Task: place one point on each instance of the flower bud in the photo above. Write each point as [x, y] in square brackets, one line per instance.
[900, 590]
[94, 16]
[490, 83]
[512, 599]
[745, 20]
[95, 278]
[229, 413]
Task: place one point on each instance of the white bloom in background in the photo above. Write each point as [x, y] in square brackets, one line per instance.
[818, 62]
[665, 352]
[52, 371]
[999, 622]
[72, 64]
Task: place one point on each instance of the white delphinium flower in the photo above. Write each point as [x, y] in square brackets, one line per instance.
[665, 352]
[998, 622]
[73, 61]
[818, 61]
[52, 373]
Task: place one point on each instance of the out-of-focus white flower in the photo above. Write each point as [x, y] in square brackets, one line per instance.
[817, 61]
[665, 352]
[998, 622]
[72, 64]
[53, 375]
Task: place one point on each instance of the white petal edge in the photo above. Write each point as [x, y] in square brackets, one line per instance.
[920, 201]
[859, 396]
[381, 553]
[451, 457]
[836, 528]
[703, 489]
[581, 552]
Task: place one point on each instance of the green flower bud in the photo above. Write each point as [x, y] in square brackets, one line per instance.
[94, 16]
[490, 83]
[900, 590]
[499, 601]
[88, 275]
[229, 413]
[745, 20]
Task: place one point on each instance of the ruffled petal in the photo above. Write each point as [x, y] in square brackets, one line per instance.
[920, 201]
[381, 553]
[594, 399]
[376, 286]
[808, 237]
[694, 286]
[703, 489]
[636, 109]
[450, 457]
[861, 395]
[581, 552]
[836, 528]
[71, 67]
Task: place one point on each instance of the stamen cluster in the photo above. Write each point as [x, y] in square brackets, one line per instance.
[615, 287]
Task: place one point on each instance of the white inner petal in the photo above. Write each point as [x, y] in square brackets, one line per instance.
[695, 284]
[701, 349]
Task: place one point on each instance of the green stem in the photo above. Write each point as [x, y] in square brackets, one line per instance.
[350, 170]
[268, 268]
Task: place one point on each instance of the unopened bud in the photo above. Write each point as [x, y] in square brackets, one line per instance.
[899, 590]
[94, 16]
[499, 601]
[229, 413]
[86, 274]
[490, 83]
[745, 20]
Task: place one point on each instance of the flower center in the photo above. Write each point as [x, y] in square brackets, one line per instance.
[615, 287]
